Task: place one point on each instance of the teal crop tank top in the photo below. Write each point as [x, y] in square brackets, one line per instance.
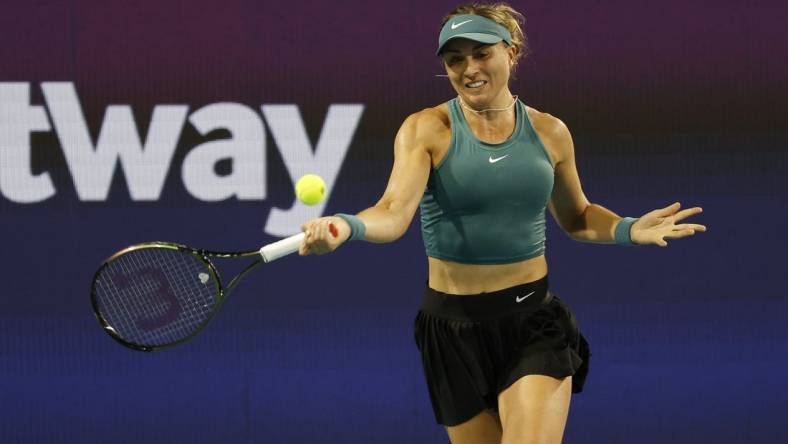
[485, 203]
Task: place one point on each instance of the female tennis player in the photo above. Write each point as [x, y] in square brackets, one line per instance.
[501, 353]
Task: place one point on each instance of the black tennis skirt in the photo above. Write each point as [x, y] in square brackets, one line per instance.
[475, 346]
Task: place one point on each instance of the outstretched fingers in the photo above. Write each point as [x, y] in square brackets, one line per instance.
[693, 227]
[683, 214]
[678, 232]
[667, 211]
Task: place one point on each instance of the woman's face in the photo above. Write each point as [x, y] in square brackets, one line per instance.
[479, 72]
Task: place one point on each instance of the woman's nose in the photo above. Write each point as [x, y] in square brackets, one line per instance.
[472, 66]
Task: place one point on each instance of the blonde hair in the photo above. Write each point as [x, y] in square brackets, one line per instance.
[504, 15]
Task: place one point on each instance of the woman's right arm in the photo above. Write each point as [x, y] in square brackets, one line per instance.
[390, 217]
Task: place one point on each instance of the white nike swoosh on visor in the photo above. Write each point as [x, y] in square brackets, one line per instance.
[497, 158]
[457, 25]
[519, 299]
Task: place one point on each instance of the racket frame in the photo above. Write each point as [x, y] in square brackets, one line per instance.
[204, 256]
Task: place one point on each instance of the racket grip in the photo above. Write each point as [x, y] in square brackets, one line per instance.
[283, 247]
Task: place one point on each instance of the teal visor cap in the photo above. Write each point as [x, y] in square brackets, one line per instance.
[472, 27]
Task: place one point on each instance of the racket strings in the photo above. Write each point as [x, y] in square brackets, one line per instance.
[155, 296]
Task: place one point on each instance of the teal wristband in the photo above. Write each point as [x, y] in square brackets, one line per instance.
[357, 227]
[622, 234]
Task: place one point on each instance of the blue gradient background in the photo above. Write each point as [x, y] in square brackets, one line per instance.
[667, 101]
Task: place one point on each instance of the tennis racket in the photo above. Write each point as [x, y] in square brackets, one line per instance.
[157, 295]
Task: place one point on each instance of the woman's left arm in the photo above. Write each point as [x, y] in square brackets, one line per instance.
[587, 222]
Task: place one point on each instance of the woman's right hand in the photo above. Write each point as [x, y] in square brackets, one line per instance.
[319, 238]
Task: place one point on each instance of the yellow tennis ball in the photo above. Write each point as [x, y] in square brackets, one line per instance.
[310, 189]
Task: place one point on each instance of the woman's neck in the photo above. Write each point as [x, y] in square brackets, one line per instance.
[502, 106]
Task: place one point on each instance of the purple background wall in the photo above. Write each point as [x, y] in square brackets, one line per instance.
[667, 101]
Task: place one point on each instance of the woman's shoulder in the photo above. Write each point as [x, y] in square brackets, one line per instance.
[429, 122]
[434, 117]
[544, 123]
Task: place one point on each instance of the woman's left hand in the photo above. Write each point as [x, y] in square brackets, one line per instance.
[656, 226]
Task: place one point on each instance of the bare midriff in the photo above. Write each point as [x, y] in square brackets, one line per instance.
[468, 279]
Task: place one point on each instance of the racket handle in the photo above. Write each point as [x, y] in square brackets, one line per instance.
[283, 247]
[288, 245]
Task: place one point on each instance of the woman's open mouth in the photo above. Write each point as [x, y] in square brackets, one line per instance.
[476, 84]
